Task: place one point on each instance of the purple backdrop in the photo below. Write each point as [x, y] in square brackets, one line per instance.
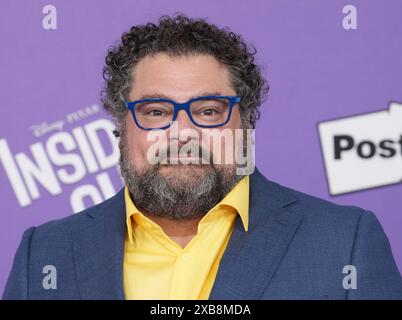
[317, 71]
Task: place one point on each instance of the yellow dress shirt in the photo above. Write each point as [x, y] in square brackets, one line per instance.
[156, 267]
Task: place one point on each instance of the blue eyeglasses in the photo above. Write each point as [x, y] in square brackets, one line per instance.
[204, 111]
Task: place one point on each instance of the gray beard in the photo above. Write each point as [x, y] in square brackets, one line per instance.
[156, 194]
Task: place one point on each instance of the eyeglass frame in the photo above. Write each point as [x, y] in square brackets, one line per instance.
[233, 100]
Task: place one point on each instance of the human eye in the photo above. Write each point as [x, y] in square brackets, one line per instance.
[155, 112]
[154, 109]
[210, 111]
[209, 108]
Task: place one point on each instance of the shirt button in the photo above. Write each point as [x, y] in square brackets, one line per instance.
[184, 257]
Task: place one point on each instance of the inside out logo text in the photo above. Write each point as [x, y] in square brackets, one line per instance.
[64, 158]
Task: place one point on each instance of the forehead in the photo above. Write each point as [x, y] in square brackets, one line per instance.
[180, 76]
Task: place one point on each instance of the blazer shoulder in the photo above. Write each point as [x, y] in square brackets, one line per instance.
[315, 208]
[60, 227]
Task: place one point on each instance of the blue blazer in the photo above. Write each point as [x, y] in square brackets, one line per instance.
[296, 248]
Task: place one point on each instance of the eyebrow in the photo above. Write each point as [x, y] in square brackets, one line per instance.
[164, 96]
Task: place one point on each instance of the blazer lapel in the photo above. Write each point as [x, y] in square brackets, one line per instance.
[99, 250]
[252, 257]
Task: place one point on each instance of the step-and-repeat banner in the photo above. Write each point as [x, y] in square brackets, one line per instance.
[331, 126]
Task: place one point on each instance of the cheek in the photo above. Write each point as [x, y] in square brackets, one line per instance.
[227, 141]
[234, 125]
[137, 144]
[235, 120]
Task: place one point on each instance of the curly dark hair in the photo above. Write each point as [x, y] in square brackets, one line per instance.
[180, 35]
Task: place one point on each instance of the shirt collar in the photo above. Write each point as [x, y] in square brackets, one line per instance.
[237, 198]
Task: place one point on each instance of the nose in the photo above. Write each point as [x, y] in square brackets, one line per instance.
[183, 128]
[183, 120]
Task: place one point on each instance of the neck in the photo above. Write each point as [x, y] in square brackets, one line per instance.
[180, 231]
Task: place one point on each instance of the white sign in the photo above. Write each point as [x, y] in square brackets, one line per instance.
[363, 151]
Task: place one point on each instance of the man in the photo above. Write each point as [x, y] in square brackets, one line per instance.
[182, 228]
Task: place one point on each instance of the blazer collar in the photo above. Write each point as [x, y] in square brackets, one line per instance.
[99, 245]
[251, 258]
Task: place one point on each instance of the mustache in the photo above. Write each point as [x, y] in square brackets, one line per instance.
[192, 149]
